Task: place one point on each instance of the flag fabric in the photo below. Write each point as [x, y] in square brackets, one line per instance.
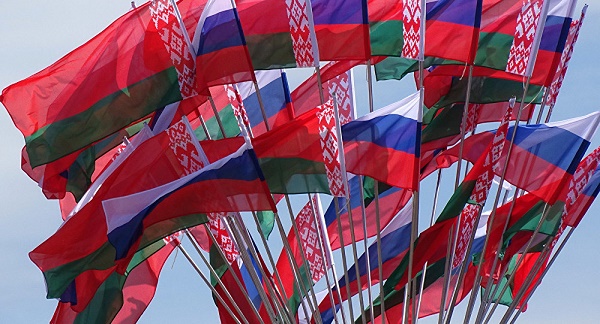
[291, 156]
[111, 73]
[286, 40]
[342, 29]
[391, 201]
[221, 53]
[123, 298]
[535, 164]
[446, 21]
[275, 94]
[385, 24]
[393, 135]
[317, 260]
[337, 79]
[565, 57]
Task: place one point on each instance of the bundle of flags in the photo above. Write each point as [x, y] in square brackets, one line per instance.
[178, 121]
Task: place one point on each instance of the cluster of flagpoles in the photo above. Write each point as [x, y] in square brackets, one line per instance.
[271, 289]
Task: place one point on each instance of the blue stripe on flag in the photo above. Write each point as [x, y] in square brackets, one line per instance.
[220, 31]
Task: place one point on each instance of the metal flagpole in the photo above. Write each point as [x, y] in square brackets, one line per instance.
[207, 282]
[321, 246]
[447, 269]
[366, 246]
[229, 267]
[349, 207]
[343, 250]
[463, 126]
[377, 216]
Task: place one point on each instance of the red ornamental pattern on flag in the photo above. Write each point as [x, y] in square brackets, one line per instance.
[330, 148]
[564, 61]
[305, 221]
[472, 116]
[237, 104]
[581, 177]
[411, 29]
[219, 230]
[167, 24]
[302, 41]
[520, 50]
[483, 184]
[341, 88]
[186, 151]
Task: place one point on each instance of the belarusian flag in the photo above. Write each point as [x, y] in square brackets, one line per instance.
[118, 77]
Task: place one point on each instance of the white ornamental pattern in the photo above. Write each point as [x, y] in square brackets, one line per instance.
[219, 230]
[330, 148]
[182, 145]
[483, 184]
[237, 104]
[520, 50]
[565, 57]
[305, 221]
[167, 25]
[302, 42]
[411, 29]
[341, 87]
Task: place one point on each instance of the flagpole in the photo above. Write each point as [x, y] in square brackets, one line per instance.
[366, 246]
[229, 267]
[326, 259]
[447, 269]
[349, 207]
[463, 126]
[377, 215]
[415, 213]
[207, 282]
[217, 278]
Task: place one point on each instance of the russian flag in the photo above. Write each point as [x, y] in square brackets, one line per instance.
[232, 184]
[395, 239]
[342, 29]
[222, 56]
[385, 144]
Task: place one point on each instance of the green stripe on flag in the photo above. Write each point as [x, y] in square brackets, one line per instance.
[271, 51]
[294, 175]
[493, 50]
[386, 38]
[105, 117]
[229, 124]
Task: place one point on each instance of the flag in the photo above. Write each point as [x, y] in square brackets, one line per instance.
[112, 73]
[286, 40]
[317, 260]
[221, 53]
[385, 24]
[393, 135]
[342, 29]
[291, 156]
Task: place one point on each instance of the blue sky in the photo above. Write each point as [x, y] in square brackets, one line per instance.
[37, 33]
